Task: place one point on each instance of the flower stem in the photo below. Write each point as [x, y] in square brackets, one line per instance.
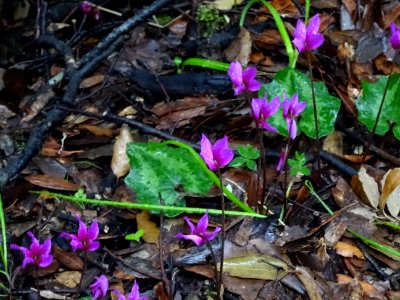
[263, 166]
[219, 281]
[315, 112]
[79, 287]
[37, 281]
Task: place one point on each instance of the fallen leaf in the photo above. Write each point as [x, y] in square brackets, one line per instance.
[240, 49]
[120, 162]
[97, 130]
[69, 278]
[366, 188]
[70, 260]
[309, 282]
[390, 196]
[368, 289]
[151, 231]
[333, 143]
[52, 182]
[91, 81]
[225, 4]
[348, 250]
[256, 266]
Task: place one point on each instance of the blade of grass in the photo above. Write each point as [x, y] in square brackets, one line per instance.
[130, 205]
[4, 255]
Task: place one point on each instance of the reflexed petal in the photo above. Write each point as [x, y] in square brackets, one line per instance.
[93, 231]
[194, 238]
[285, 109]
[119, 294]
[235, 73]
[268, 127]
[27, 260]
[300, 36]
[191, 225]
[220, 144]
[313, 25]
[395, 36]
[272, 107]
[292, 129]
[134, 294]
[35, 242]
[256, 104]
[313, 42]
[253, 85]
[281, 161]
[76, 244]
[238, 89]
[300, 45]
[93, 246]
[82, 230]
[66, 235]
[46, 247]
[249, 74]
[20, 248]
[46, 261]
[202, 224]
[211, 235]
[299, 108]
[206, 152]
[224, 157]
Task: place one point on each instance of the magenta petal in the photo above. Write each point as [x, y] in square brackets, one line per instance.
[46, 247]
[27, 260]
[93, 231]
[268, 127]
[191, 225]
[292, 128]
[253, 85]
[220, 144]
[300, 31]
[202, 224]
[134, 294]
[281, 161]
[300, 45]
[315, 41]
[224, 157]
[194, 238]
[299, 108]
[206, 151]
[16, 247]
[93, 246]
[119, 294]
[82, 230]
[313, 25]
[235, 73]
[238, 90]
[211, 235]
[249, 74]
[395, 36]
[256, 104]
[46, 261]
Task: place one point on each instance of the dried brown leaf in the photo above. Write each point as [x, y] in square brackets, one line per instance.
[52, 182]
[390, 196]
[366, 188]
[151, 231]
[120, 162]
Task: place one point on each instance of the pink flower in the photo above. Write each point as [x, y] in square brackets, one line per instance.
[133, 295]
[99, 287]
[85, 240]
[261, 110]
[215, 156]
[282, 160]
[198, 235]
[37, 254]
[243, 80]
[308, 38]
[87, 7]
[395, 36]
[291, 109]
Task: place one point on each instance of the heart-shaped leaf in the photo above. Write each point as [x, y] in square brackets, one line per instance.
[293, 81]
[159, 170]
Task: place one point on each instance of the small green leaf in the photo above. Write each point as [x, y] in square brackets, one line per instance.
[256, 266]
[293, 81]
[297, 165]
[248, 151]
[370, 100]
[159, 170]
[135, 236]
[237, 162]
[251, 164]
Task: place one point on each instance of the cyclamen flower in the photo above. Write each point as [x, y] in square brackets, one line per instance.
[282, 160]
[243, 80]
[37, 254]
[198, 234]
[133, 295]
[90, 9]
[99, 287]
[308, 38]
[215, 156]
[86, 238]
[261, 110]
[291, 109]
[395, 36]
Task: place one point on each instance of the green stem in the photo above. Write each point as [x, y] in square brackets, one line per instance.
[312, 191]
[292, 54]
[212, 176]
[3, 237]
[308, 5]
[130, 205]
[221, 268]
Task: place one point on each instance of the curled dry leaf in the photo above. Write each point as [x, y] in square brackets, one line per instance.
[366, 188]
[120, 162]
[348, 250]
[390, 196]
[91, 81]
[151, 231]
